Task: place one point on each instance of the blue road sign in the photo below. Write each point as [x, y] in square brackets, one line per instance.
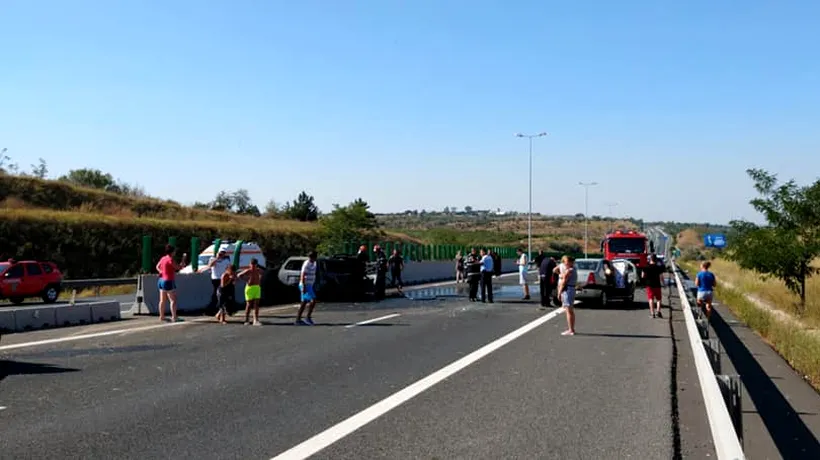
[714, 240]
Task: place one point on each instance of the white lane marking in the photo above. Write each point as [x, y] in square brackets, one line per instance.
[353, 423]
[361, 323]
[3, 407]
[97, 334]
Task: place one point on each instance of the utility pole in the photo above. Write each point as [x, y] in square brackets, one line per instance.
[586, 186]
[529, 213]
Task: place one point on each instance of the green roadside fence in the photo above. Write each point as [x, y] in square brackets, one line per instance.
[410, 251]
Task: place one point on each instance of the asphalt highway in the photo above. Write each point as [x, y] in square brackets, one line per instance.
[203, 390]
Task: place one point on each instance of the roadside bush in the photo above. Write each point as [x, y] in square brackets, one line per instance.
[97, 246]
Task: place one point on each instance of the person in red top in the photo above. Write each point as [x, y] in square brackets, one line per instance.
[166, 283]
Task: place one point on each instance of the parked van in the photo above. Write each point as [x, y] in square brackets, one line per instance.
[248, 252]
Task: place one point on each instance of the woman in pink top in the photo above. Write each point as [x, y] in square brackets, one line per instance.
[166, 283]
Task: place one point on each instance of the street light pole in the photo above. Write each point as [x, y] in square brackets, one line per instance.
[586, 186]
[611, 205]
[529, 212]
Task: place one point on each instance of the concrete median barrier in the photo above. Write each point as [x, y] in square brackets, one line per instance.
[20, 319]
[194, 290]
[193, 293]
[72, 315]
[105, 311]
[7, 320]
[27, 319]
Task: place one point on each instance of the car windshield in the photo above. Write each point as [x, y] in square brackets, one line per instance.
[627, 245]
[586, 264]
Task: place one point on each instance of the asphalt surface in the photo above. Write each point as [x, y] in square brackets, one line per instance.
[203, 390]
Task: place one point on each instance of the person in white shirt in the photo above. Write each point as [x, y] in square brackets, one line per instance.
[217, 265]
[522, 263]
[487, 271]
[306, 280]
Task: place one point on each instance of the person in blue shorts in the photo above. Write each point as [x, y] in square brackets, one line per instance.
[706, 283]
[306, 281]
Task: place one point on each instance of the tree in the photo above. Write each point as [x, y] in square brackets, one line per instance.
[787, 245]
[238, 202]
[468, 209]
[40, 170]
[6, 165]
[273, 209]
[303, 208]
[344, 224]
[92, 178]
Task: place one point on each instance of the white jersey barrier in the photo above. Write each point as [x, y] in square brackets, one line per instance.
[727, 443]
[194, 290]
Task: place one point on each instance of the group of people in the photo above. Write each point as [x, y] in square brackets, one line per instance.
[223, 278]
[477, 270]
[384, 264]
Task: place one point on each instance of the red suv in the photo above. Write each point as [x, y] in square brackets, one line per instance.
[20, 280]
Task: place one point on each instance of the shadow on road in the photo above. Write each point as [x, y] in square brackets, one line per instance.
[8, 368]
[791, 436]
[320, 324]
[624, 336]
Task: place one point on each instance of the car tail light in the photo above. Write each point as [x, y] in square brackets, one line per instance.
[591, 278]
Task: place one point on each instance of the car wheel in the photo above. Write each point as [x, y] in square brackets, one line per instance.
[51, 294]
[16, 300]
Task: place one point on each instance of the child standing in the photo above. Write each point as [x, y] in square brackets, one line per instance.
[253, 291]
[224, 293]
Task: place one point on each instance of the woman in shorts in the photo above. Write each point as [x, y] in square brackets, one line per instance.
[166, 283]
[566, 290]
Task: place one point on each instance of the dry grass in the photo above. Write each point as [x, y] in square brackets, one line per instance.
[77, 216]
[796, 340]
[689, 239]
[772, 291]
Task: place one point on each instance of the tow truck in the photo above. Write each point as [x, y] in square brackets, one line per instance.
[629, 245]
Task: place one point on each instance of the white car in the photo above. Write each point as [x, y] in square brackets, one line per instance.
[248, 252]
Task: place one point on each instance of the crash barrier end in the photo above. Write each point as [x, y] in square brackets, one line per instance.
[721, 393]
[49, 316]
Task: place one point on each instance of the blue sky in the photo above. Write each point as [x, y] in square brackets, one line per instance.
[413, 104]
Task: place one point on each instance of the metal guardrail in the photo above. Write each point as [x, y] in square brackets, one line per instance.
[721, 393]
[97, 283]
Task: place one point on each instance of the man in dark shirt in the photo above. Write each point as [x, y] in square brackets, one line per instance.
[653, 278]
[473, 267]
[496, 263]
[547, 279]
[539, 258]
[396, 264]
[381, 271]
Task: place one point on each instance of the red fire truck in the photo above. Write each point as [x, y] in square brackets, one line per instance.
[629, 245]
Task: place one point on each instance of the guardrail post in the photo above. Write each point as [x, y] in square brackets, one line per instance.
[712, 347]
[703, 328]
[195, 253]
[731, 387]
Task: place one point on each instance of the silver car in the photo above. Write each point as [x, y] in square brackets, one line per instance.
[594, 285]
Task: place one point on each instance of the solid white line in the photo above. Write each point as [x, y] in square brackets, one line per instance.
[727, 444]
[97, 334]
[373, 320]
[348, 426]
[3, 407]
